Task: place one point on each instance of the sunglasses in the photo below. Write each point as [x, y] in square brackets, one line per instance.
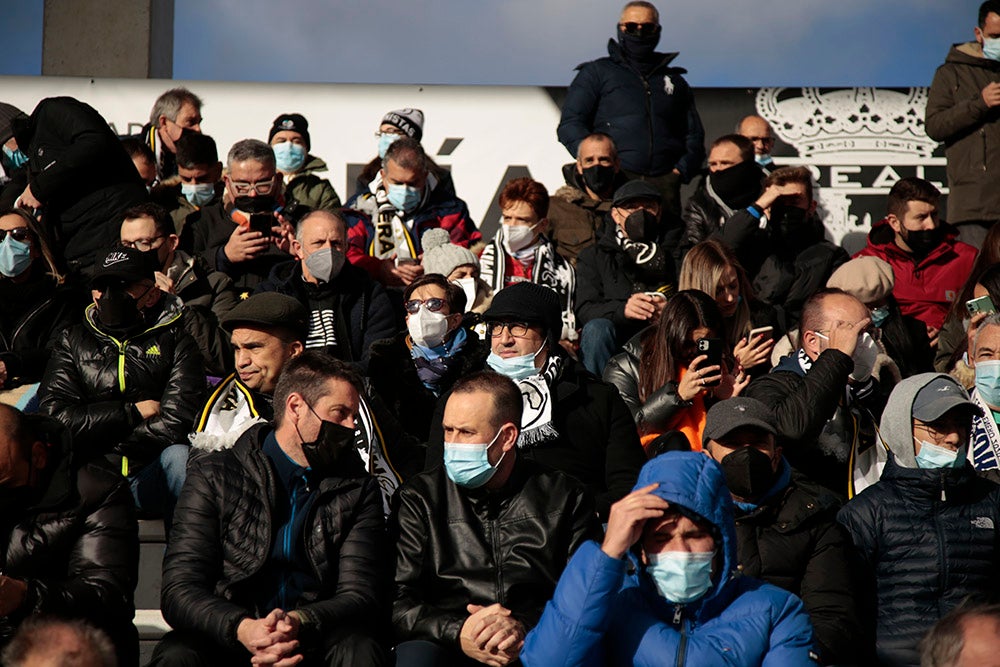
[641, 29]
[434, 305]
[22, 234]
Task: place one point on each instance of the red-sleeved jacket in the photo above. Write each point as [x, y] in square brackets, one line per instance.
[925, 289]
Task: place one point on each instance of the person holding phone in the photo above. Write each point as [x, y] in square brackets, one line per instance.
[750, 325]
[670, 373]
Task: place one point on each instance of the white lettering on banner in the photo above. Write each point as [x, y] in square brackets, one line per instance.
[856, 141]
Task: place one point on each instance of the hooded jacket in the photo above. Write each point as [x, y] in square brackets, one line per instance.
[607, 611]
[652, 117]
[923, 539]
[93, 381]
[924, 288]
[575, 218]
[957, 115]
[307, 187]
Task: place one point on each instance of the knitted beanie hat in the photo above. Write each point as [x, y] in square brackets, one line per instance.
[868, 279]
[442, 256]
[293, 122]
[410, 121]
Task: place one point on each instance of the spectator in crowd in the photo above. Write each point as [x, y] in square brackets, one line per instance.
[412, 369]
[780, 241]
[824, 397]
[175, 112]
[786, 527]
[198, 182]
[929, 262]
[577, 209]
[241, 235]
[205, 295]
[277, 548]
[299, 169]
[712, 268]
[667, 382]
[514, 523]
[403, 200]
[960, 112]
[143, 159]
[984, 357]
[759, 132]
[38, 305]
[394, 125]
[925, 536]
[127, 381]
[70, 540]
[52, 642]
[616, 277]
[348, 311]
[664, 586]
[967, 636]
[952, 337]
[11, 158]
[572, 422]
[521, 250]
[459, 265]
[904, 349]
[644, 104]
[266, 331]
[733, 182]
[83, 192]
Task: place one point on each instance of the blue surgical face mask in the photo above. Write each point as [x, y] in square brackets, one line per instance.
[198, 194]
[15, 257]
[988, 382]
[516, 368]
[932, 457]
[468, 464]
[289, 157]
[384, 141]
[880, 315]
[681, 576]
[763, 160]
[404, 197]
[17, 158]
[991, 48]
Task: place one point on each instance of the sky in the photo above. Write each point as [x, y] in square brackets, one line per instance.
[722, 43]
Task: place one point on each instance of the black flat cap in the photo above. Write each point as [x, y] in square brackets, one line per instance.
[269, 309]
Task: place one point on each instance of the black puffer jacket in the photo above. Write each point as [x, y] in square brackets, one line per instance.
[925, 539]
[459, 546]
[34, 313]
[223, 533]
[793, 541]
[94, 380]
[597, 443]
[394, 378]
[77, 547]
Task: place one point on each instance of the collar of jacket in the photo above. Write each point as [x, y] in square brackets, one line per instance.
[883, 237]
[919, 483]
[971, 54]
[171, 313]
[800, 501]
[482, 498]
[618, 55]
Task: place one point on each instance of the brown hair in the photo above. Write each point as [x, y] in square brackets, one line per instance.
[702, 270]
[307, 374]
[910, 189]
[507, 401]
[529, 191]
[738, 140]
[453, 294]
[41, 237]
[786, 175]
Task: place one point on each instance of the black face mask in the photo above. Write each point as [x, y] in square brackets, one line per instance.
[739, 185]
[748, 473]
[788, 220]
[924, 241]
[641, 226]
[599, 178]
[638, 47]
[258, 204]
[117, 310]
[328, 453]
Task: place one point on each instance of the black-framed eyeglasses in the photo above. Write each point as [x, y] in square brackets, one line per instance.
[433, 304]
[516, 329]
[142, 245]
[641, 29]
[22, 234]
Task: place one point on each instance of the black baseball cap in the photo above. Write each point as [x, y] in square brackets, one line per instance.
[635, 190]
[726, 416]
[126, 265]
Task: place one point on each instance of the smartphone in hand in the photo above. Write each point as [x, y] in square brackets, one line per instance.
[711, 348]
[983, 304]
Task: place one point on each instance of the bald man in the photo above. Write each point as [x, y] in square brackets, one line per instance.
[759, 131]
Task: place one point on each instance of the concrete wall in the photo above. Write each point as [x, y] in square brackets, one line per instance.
[108, 38]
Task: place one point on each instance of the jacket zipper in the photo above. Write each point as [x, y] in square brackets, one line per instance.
[942, 564]
[494, 525]
[287, 548]
[24, 323]
[649, 121]
[682, 649]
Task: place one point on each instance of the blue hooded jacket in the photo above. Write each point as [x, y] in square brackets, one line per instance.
[607, 611]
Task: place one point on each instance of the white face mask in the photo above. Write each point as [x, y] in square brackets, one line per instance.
[865, 354]
[427, 328]
[518, 237]
[468, 286]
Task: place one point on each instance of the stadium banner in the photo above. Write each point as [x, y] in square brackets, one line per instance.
[856, 141]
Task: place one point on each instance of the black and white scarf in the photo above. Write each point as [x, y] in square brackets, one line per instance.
[649, 258]
[536, 393]
[393, 229]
